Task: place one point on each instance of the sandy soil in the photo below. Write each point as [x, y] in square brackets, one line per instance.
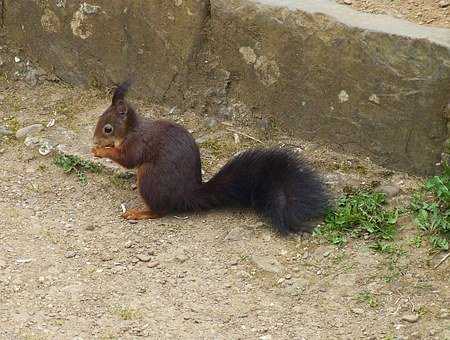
[71, 268]
[423, 12]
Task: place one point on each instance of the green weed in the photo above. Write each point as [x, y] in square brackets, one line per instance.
[367, 297]
[126, 313]
[431, 208]
[384, 247]
[357, 214]
[416, 241]
[74, 164]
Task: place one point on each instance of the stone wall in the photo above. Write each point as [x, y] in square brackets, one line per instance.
[375, 86]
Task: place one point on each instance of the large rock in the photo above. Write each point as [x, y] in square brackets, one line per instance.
[99, 42]
[372, 85]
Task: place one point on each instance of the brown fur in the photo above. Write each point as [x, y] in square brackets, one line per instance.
[274, 181]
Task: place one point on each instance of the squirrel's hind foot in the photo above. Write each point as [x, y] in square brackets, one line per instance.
[136, 214]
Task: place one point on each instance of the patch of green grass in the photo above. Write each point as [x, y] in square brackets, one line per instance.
[423, 310]
[368, 298]
[385, 247]
[74, 164]
[126, 313]
[431, 208]
[108, 337]
[416, 241]
[12, 123]
[358, 214]
[244, 258]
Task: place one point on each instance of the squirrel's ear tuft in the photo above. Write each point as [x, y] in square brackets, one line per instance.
[120, 92]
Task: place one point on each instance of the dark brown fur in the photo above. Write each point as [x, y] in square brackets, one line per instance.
[275, 182]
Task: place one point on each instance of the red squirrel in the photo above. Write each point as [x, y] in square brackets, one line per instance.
[274, 181]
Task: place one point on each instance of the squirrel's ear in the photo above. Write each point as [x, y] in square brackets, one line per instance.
[121, 107]
[120, 92]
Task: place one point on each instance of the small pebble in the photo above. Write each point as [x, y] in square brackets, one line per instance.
[153, 264]
[5, 131]
[266, 337]
[211, 122]
[444, 315]
[28, 130]
[444, 3]
[348, 2]
[410, 318]
[143, 257]
[358, 310]
[106, 257]
[70, 254]
[374, 99]
[260, 224]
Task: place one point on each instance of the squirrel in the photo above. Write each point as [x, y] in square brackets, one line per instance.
[276, 182]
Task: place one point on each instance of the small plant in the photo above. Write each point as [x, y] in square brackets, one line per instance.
[74, 164]
[367, 297]
[12, 123]
[431, 207]
[416, 241]
[126, 313]
[383, 247]
[359, 213]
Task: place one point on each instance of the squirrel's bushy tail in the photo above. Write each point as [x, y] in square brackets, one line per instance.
[276, 182]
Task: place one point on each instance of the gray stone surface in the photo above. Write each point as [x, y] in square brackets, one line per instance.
[339, 77]
[29, 130]
[376, 23]
[371, 85]
[86, 44]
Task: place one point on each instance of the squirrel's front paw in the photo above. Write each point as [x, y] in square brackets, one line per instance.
[98, 151]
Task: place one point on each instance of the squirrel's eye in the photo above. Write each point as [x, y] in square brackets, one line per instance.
[108, 129]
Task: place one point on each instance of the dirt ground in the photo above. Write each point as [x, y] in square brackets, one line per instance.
[71, 268]
[423, 12]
